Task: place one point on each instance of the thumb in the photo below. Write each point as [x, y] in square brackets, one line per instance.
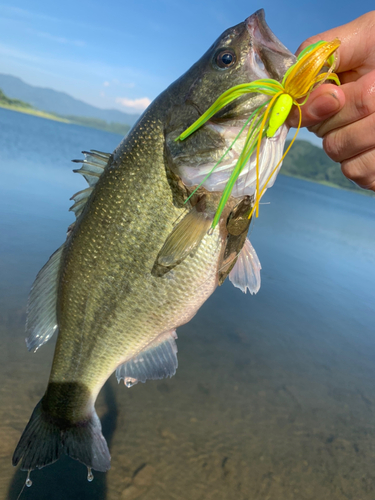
[323, 102]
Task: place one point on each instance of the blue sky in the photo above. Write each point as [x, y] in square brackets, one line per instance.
[122, 54]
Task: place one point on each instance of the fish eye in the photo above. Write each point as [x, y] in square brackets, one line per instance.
[225, 58]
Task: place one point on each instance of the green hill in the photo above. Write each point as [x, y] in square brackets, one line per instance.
[310, 162]
[60, 103]
[12, 102]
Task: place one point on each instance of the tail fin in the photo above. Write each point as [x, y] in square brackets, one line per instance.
[45, 439]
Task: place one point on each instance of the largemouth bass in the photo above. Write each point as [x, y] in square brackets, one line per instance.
[139, 261]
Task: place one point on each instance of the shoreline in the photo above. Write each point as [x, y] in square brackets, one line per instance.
[359, 190]
[49, 116]
[53, 117]
[34, 112]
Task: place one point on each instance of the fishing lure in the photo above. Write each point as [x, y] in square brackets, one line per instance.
[298, 82]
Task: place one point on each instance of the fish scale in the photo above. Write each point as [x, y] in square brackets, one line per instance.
[114, 313]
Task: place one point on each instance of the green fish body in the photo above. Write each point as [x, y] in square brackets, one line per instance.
[140, 261]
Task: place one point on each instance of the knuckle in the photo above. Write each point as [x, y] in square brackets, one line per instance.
[360, 170]
[351, 170]
[365, 101]
[316, 129]
[307, 42]
[332, 146]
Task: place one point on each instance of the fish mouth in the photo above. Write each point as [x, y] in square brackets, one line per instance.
[262, 34]
[269, 55]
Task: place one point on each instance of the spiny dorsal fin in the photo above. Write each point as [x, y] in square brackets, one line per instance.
[41, 322]
[80, 200]
[92, 168]
[156, 361]
[93, 165]
[185, 237]
[245, 275]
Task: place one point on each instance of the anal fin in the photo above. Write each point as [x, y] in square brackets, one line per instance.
[158, 360]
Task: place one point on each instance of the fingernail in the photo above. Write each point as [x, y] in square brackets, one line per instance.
[324, 105]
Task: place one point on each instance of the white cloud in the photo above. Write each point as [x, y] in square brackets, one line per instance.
[16, 13]
[138, 104]
[130, 85]
[58, 39]
[116, 82]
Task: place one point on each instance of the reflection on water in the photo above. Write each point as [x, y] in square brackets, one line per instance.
[274, 396]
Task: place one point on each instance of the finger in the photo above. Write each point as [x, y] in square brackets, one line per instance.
[323, 102]
[349, 141]
[359, 98]
[360, 169]
[357, 41]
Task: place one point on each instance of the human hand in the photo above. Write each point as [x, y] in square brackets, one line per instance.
[345, 116]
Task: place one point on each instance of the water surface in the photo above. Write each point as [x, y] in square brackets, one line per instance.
[274, 396]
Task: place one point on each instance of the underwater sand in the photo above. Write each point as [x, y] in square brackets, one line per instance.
[274, 396]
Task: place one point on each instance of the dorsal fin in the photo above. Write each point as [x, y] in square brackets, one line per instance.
[156, 361]
[41, 322]
[80, 200]
[92, 168]
[93, 165]
[41, 312]
[245, 275]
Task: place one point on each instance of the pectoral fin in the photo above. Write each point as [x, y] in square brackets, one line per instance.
[185, 237]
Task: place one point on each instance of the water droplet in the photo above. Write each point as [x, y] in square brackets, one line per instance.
[90, 475]
[130, 381]
[210, 231]
[28, 481]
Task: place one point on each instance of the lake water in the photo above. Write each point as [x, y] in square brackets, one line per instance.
[274, 396]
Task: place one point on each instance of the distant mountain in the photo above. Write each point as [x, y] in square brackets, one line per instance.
[25, 107]
[61, 103]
